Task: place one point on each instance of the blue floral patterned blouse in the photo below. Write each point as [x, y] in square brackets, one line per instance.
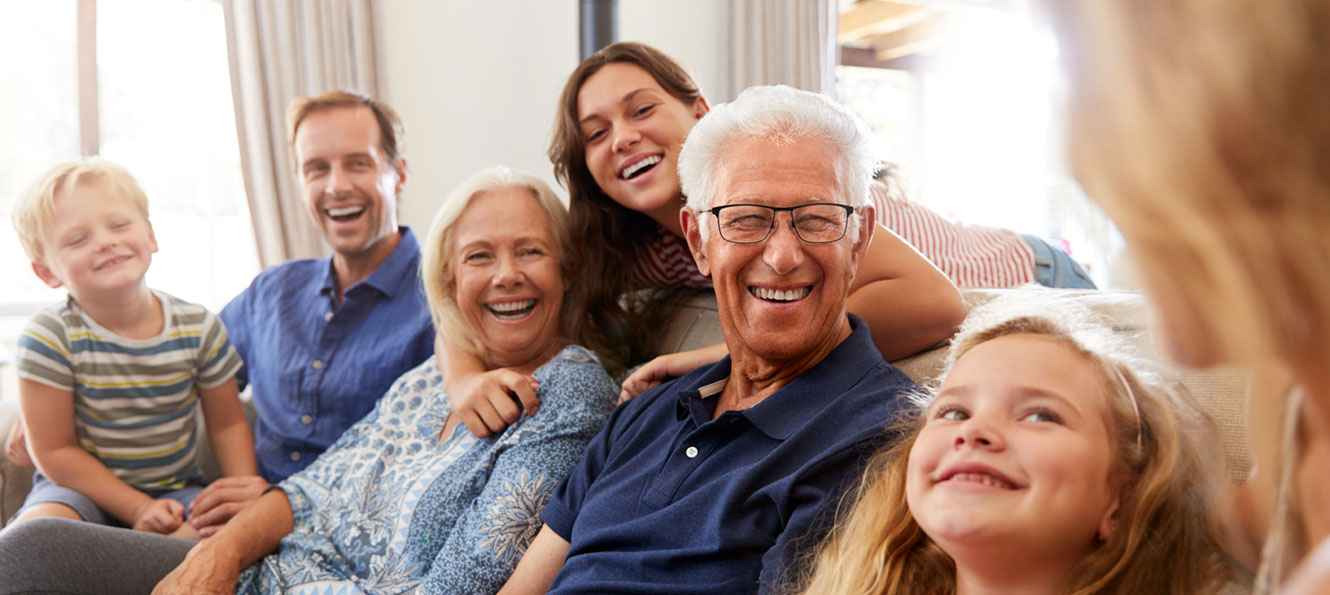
[390, 509]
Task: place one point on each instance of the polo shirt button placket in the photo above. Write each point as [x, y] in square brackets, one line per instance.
[691, 452]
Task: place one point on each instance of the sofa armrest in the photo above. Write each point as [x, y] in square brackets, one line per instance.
[15, 481]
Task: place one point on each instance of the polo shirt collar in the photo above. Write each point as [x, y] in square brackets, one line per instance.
[788, 409]
[395, 273]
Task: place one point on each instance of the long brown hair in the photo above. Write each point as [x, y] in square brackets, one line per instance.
[1168, 537]
[611, 238]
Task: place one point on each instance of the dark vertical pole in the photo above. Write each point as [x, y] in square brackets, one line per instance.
[599, 25]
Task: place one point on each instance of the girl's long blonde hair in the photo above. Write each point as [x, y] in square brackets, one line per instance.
[1168, 536]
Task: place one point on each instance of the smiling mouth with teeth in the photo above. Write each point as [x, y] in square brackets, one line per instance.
[639, 167]
[110, 263]
[982, 478]
[511, 310]
[780, 295]
[345, 213]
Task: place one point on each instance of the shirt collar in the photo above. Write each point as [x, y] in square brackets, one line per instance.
[784, 412]
[395, 273]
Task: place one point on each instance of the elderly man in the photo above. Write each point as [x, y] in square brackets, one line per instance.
[713, 482]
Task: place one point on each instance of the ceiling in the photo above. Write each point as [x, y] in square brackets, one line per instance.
[904, 34]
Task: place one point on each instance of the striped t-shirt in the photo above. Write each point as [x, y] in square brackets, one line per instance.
[134, 399]
[969, 255]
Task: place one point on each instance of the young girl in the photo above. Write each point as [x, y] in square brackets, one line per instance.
[1045, 463]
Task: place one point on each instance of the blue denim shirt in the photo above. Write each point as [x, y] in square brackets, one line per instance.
[317, 366]
[668, 500]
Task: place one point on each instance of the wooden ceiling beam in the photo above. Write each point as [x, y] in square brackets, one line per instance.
[867, 58]
[874, 17]
[920, 37]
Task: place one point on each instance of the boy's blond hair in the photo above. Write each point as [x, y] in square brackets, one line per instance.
[34, 212]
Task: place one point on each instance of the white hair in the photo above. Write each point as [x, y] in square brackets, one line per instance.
[780, 114]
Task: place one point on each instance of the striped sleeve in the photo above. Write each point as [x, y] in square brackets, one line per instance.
[44, 350]
[668, 262]
[970, 255]
[218, 360]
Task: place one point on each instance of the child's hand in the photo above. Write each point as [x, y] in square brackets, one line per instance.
[16, 447]
[162, 515]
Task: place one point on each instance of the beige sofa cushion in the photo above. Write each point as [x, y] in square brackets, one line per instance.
[15, 481]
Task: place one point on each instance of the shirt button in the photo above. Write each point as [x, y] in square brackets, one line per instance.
[295, 456]
[327, 316]
[305, 419]
[691, 452]
[318, 364]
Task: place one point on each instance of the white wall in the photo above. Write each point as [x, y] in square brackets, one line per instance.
[476, 82]
[693, 32]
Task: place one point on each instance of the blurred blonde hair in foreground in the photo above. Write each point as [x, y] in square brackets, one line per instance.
[1168, 537]
[1203, 128]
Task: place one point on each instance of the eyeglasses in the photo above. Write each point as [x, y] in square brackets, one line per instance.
[816, 223]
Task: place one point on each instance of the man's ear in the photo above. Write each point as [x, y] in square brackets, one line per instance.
[867, 226]
[692, 233]
[700, 107]
[1109, 523]
[400, 168]
[46, 275]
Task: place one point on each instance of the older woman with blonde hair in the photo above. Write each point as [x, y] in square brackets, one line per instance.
[407, 498]
[1202, 127]
[1046, 462]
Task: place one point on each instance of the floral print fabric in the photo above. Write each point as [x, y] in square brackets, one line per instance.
[390, 508]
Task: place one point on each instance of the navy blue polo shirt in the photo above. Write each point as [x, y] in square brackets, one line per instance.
[668, 500]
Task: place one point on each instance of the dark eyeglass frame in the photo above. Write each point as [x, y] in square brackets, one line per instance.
[849, 212]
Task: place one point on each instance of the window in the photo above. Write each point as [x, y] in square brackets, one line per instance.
[966, 98]
[144, 83]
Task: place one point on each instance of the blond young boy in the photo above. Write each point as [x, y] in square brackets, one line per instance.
[110, 379]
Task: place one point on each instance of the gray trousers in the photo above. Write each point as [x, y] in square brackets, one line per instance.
[50, 555]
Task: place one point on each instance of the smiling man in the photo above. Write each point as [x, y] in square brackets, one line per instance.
[322, 339]
[714, 482]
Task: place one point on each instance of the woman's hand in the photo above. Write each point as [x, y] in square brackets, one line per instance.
[669, 366]
[208, 570]
[487, 402]
[162, 515]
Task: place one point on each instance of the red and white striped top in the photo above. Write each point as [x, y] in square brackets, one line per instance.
[669, 263]
[970, 255]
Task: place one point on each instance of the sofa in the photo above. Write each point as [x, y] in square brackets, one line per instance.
[695, 323]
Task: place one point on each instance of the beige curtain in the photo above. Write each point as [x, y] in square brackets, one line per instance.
[280, 50]
[790, 42]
